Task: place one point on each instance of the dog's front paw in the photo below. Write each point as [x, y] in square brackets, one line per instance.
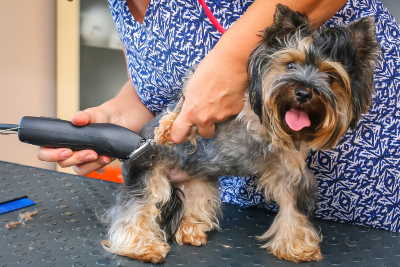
[191, 234]
[154, 252]
[295, 251]
[297, 242]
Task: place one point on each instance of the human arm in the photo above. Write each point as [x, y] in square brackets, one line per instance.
[124, 109]
[216, 90]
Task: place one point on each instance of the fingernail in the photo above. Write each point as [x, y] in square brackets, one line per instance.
[105, 160]
[66, 153]
[90, 157]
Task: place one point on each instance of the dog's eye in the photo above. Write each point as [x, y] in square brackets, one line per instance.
[291, 66]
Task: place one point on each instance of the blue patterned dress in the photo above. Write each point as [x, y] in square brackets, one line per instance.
[359, 181]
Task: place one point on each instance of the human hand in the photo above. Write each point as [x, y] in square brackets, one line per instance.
[82, 161]
[214, 93]
[119, 110]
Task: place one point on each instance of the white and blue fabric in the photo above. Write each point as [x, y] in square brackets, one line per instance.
[359, 181]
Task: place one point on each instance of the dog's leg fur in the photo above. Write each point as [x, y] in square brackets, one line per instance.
[163, 131]
[291, 236]
[135, 223]
[202, 208]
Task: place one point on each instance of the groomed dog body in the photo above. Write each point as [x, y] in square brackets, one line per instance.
[306, 89]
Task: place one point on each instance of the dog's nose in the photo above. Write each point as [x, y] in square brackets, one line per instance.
[303, 95]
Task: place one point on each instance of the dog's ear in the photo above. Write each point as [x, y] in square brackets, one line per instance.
[366, 47]
[286, 22]
[288, 19]
[363, 36]
[257, 62]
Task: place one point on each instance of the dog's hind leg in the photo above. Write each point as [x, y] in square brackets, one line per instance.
[201, 211]
[291, 236]
[135, 229]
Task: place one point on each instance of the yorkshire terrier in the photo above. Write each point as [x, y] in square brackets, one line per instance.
[306, 89]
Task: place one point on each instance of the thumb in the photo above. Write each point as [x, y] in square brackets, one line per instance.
[206, 131]
[180, 128]
[81, 118]
[90, 115]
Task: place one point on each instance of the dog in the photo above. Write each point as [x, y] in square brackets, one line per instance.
[306, 89]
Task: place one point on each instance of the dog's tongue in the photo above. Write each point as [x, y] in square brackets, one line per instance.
[297, 119]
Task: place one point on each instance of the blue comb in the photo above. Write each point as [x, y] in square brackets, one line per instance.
[15, 204]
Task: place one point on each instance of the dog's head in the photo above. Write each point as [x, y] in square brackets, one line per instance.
[308, 87]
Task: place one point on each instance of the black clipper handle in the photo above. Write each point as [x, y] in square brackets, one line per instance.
[104, 138]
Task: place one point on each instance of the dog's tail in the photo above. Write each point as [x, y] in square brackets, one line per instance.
[172, 212]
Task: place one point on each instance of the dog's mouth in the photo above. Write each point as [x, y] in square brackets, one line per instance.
[297, 119]
[302, 119]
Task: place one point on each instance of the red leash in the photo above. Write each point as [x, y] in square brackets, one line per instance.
[211, 17]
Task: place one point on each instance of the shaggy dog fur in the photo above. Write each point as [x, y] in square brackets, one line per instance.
[324, 76]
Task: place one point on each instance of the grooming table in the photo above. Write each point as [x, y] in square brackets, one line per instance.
[67, 231]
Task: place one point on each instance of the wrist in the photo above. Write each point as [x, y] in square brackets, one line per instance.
[228, 62]
[126, 109]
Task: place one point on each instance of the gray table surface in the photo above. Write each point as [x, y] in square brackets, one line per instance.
[67, 232]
